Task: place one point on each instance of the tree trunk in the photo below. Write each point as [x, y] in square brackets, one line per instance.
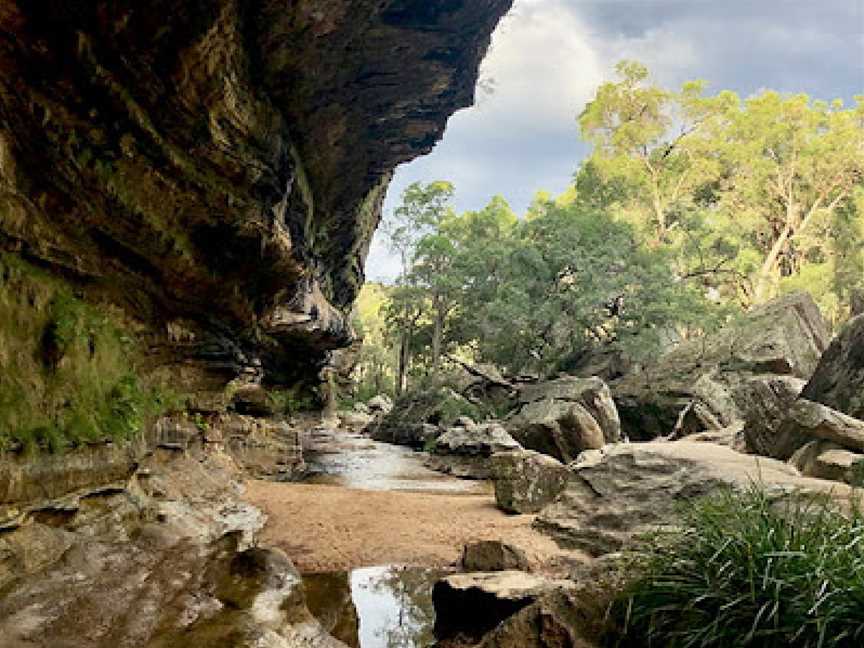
[437, 333]
[404, 360]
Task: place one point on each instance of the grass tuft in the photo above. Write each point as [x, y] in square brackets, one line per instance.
[747, 569]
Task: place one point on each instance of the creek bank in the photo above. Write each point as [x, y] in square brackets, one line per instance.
[164, 554]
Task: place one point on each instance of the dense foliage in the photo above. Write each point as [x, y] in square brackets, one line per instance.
[746, 570]
[751, 197]
[691, 207]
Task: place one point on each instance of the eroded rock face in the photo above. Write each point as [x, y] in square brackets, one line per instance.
[162, 555]
[217, 168]
[838, 381]
[628, 489]
[748, 371]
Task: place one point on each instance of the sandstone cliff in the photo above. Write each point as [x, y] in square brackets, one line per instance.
[216, 168]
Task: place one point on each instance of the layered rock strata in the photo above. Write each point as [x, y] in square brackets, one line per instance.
[217, 167]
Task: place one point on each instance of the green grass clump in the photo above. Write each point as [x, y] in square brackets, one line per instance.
[747, 569]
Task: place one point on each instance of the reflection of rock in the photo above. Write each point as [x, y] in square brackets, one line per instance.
[328, 597]
[525, 481]
[470, 605]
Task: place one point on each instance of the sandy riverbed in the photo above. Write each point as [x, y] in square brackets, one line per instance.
[331, 528]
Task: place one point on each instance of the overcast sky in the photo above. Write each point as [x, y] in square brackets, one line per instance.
[548, 57]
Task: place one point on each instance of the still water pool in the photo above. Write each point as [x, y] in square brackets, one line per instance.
[388, 606]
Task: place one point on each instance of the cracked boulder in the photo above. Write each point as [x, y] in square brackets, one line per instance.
[563, 417]
[749, 371]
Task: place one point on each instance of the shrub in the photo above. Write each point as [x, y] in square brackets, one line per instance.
[747, 569]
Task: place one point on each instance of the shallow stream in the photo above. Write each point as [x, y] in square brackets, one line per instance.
[388, 606]
[351, 460]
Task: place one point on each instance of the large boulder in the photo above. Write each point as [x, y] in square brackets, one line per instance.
[380, 404]
[562, 618]
[626, 490]
[493, 555]
[435, 406]
[747, 371]
[806, 421]
[763, 402]
[413, 435]
[474, 440]
[355, 420]
[839, 379]
[563, 417]
[525, 480]
[470, 605]
[464, 450]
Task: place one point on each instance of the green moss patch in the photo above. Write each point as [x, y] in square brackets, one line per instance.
[67, 368]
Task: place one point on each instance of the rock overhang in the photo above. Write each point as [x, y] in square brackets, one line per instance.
[218, 167]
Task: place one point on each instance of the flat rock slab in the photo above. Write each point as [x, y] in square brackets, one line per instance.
[630, 489]
[807, 421]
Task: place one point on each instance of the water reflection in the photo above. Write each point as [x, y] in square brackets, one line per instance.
[376, 607]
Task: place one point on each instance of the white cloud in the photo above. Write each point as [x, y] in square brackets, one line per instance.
[548, 57]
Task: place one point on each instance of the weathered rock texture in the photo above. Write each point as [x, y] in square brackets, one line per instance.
[465, 449]
[628, 489]
[749, 371]
[838, 381]
[146, 545]
[470, 605]
[563, 417]
[217, 167]
[526, 481]
[807, 421]
[827, 460]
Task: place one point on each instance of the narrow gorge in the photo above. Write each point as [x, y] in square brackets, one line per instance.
[215, 432]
